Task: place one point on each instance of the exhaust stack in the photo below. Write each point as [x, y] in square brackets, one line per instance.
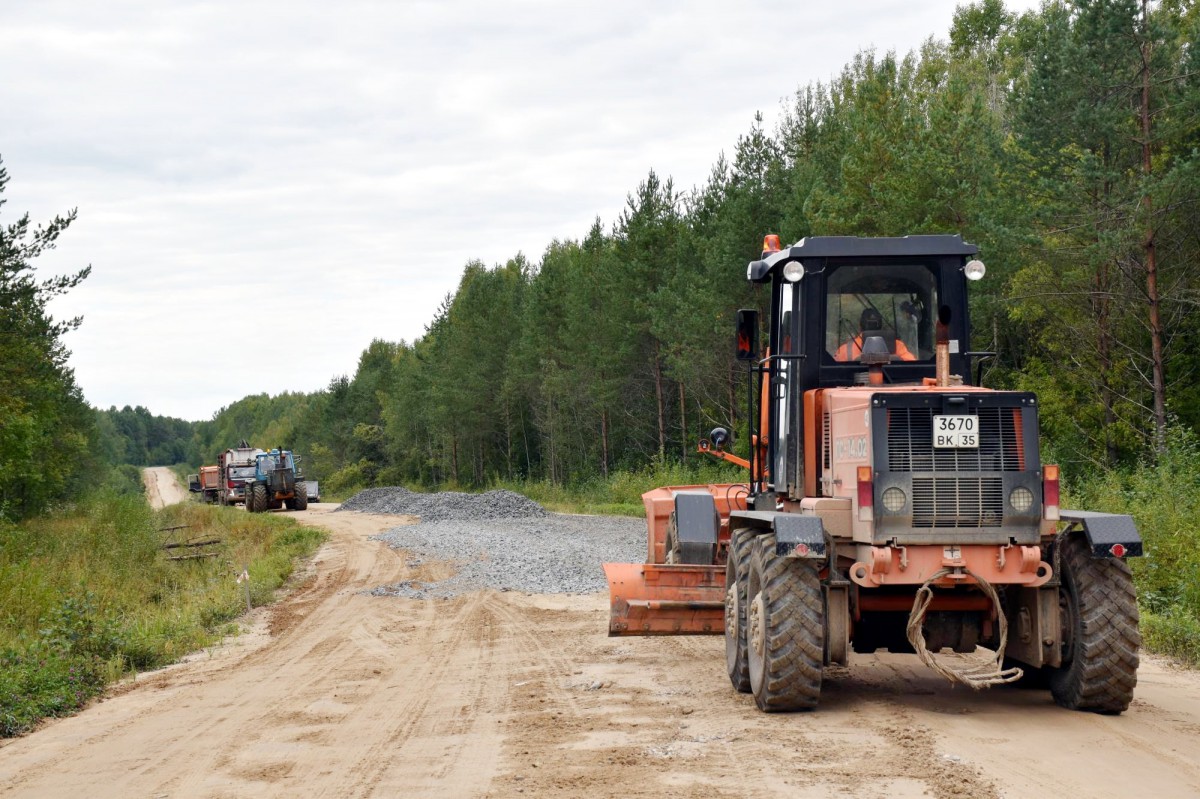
[942, 348]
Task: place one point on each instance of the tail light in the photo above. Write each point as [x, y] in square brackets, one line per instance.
[1050, 492]
[866, 495]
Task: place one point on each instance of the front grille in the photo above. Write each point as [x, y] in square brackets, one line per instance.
[956, 488]
[958, 501]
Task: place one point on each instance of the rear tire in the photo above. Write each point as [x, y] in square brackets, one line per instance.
[737, 578]
[785, 630]
[301, 500]
[256, 498]
[1099, 671]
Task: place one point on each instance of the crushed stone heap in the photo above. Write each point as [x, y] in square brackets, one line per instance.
[445, 505]
[500, 540]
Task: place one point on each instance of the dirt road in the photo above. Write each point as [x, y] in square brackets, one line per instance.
[162, 487]
[337, 693]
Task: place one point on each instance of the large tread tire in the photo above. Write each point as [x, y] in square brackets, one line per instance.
[256, 498]
[1102, 622]
[301, 500]
[785, 630]
[737, 579]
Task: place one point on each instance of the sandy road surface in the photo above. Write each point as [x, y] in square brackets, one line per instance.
[336, 693]
[162, 487]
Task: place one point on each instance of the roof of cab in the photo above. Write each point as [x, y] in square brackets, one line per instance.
[856, 247]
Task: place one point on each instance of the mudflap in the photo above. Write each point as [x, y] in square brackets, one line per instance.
[662, 599]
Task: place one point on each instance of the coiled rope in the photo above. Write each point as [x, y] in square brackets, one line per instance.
[978, 675]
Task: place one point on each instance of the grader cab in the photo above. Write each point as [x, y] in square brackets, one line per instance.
[891, 502]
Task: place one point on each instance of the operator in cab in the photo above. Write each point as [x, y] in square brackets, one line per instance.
[871, 324]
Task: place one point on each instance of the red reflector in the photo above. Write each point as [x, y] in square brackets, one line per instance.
[802, 549]
[866, 489]
[1118, 550]
[1050, 485]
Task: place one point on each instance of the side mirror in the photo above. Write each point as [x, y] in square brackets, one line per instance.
[747, 335]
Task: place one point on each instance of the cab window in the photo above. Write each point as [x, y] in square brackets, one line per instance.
[896, 302]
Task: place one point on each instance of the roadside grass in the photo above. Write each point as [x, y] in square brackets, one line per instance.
[89, 595]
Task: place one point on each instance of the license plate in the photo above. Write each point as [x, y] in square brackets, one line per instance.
[956, 432]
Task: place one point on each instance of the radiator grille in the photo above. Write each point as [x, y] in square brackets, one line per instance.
[958, 501]
[945, 492]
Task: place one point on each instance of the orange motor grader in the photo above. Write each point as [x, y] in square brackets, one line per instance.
[892, 503]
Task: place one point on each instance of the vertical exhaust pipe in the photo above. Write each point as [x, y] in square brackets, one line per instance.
[942, 347]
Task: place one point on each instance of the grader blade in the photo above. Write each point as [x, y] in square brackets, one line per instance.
[662, 599]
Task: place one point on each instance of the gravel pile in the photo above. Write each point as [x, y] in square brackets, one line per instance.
[554, 554]
[445, 505]
[503, 541]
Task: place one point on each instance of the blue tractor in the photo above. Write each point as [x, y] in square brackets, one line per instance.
[277, 482]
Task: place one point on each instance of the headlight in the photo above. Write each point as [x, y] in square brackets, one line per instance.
[894, 500]
[1021, 499]
[793, 271]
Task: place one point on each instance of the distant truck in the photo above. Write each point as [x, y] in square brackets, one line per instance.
[207, 483]
[236, 469]
[314, 493]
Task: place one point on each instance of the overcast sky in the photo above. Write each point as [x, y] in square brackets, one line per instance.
[265, 187]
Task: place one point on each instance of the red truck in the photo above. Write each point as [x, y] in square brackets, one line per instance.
[207, 483]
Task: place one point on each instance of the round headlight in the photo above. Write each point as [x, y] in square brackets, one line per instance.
[893, 500]
[1021, 499]
[975, 269]
[793, 271]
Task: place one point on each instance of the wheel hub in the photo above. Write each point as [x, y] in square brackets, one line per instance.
[731, 611]
[756, 637]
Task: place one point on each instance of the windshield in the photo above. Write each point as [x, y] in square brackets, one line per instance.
[893, 302]
[241, 472]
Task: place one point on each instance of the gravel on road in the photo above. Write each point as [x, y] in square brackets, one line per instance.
[503, 541]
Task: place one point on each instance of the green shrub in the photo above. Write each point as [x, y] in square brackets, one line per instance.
[65, 666]
[123, 480]
[350, 479]
[39, 683]
[1173, 633]
[1164, 499]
